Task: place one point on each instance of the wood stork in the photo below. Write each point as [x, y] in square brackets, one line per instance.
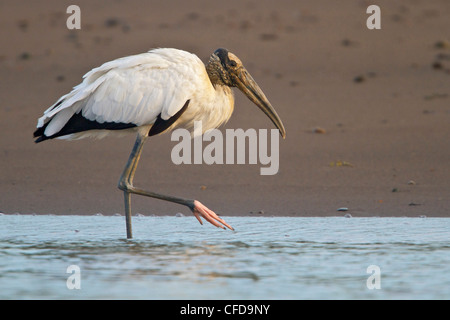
[148, 94]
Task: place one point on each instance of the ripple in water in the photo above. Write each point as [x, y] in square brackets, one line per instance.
[265, 258]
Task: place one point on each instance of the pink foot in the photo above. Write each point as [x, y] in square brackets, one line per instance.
[208, 215]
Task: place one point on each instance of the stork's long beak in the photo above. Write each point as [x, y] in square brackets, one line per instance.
[250, 88]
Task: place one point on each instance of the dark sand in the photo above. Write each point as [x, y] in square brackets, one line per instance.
[381, 96]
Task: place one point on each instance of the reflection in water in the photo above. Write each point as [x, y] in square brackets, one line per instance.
[266, 258]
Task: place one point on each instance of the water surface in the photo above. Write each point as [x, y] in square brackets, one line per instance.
[265, 258]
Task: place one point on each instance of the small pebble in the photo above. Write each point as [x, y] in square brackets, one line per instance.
[258, 212]
[347, 42]
[23, 25]
[24, 56]
[319, 130]
[442, 44]
[193, 15]
[179, 214]
[342, 209]
[437, 65]
[359, 79]
[412, 204]
[347, 215]
[268, 36]
[411, 182]
[112, 22]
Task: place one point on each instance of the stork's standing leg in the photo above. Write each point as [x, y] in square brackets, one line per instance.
[126, 184]
[126, 179]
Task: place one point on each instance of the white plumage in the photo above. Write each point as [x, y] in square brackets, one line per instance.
[138, 88]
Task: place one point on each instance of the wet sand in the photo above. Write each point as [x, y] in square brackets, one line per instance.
[367, 112]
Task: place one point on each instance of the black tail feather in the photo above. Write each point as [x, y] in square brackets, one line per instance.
[78, 123]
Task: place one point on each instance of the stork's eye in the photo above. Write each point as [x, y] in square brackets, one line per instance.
[233, 63]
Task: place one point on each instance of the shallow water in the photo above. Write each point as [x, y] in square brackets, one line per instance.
[265, 258]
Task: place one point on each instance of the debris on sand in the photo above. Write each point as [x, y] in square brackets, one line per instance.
[340, 163]
[363, 77]
[25, 56]
[437, 65]
[442, 44]
[359, 79]
[413, 204]
[434, 96]
[346, 42]
[268, 36]
[319, 130]
[112, 22]
[23, 24]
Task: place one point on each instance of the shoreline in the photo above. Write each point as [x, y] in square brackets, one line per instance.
[366, 112]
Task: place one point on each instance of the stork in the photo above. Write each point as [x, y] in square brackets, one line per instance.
[148, 94]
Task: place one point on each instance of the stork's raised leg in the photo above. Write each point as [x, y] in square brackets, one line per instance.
[126, 185]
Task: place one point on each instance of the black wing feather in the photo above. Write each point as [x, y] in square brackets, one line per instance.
[161, 125]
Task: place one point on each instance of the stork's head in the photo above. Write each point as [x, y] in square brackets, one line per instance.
[225, 69]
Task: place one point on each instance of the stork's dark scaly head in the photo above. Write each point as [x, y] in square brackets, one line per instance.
[226, 69]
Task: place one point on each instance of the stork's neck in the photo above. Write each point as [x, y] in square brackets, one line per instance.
[213, 75]
[216, 73]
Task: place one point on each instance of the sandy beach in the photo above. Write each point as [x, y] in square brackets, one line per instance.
[367, 112]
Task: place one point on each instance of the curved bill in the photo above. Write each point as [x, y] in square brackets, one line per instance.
[250, 88]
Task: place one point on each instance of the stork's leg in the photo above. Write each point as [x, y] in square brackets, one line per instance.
[126, 180]
[126, 185]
